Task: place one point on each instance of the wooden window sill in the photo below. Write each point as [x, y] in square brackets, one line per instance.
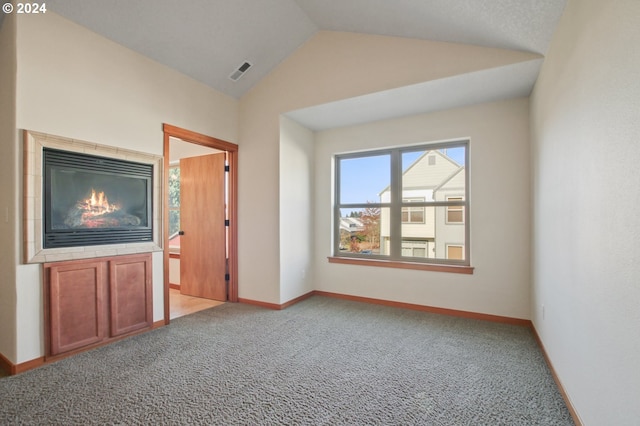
[456, 269]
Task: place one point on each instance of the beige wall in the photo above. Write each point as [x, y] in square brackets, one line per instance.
[499, 197]
[9, 187]
[329, 67]
[74, 83]
[174, 271]
[296, 209]
[586, 193]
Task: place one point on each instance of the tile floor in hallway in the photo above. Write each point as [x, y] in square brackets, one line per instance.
[180, 304]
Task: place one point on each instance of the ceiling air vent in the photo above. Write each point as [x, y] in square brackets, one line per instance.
[235, 76]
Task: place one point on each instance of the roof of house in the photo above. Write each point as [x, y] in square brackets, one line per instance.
[440, 180]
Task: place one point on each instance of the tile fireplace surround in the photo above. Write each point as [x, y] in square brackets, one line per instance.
[33, 249]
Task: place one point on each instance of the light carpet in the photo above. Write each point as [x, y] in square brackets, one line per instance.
[322, 361]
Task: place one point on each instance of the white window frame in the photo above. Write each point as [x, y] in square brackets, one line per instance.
[396, 204]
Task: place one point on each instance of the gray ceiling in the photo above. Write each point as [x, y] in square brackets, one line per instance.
[209, 39]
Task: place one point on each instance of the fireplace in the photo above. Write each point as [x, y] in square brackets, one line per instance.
[94, 200]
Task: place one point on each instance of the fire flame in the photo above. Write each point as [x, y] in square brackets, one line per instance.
[98, 204]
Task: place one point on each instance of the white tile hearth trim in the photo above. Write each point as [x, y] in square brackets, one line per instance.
[33, 249]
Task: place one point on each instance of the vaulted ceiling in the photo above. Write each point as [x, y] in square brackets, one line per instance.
[209, 39]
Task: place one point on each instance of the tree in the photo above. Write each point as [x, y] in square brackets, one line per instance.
[370, 218]
[354, 244]
[174, 200]
[174, 187]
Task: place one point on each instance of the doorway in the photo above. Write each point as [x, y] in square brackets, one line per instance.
[215, 158]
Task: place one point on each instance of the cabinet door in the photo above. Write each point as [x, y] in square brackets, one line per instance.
[77, 305]
[130, 293]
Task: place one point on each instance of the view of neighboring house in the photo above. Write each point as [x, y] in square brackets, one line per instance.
[351, 224]
[436, 232]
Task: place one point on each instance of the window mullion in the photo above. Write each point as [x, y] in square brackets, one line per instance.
[336, 208]
[467, 241]
[396, 206]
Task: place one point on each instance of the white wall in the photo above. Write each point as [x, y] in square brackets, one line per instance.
[296, 209]
[499, 197]
[74, 83]
[585, 113]
[9, 187]
[174, 271]
[329, 67]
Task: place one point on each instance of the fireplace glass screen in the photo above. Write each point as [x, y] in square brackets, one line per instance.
[91, 200]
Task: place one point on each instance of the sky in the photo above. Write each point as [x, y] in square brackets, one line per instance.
[362, 179]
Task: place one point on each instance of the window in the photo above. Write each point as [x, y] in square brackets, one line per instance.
[455, 214]
[174, 208]
[455, 252]
[410, 204]
[416, 248]
[412, 214]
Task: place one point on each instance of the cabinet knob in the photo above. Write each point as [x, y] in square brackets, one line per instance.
[180, 232]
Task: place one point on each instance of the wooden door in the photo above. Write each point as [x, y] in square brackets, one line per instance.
[202, 221]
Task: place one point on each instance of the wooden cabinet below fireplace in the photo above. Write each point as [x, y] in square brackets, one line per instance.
[90, 302]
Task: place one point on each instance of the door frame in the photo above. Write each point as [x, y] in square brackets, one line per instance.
[232, 208]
